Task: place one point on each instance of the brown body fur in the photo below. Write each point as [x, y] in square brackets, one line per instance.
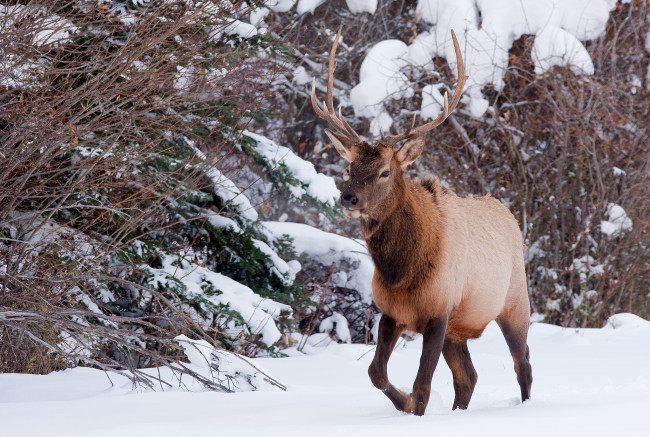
[457, 263]
[445, 267]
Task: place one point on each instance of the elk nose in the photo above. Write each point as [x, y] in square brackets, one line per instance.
[348, 200]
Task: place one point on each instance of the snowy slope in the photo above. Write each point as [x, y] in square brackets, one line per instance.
[592, 382]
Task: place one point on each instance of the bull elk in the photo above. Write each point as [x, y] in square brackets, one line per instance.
[445, 266]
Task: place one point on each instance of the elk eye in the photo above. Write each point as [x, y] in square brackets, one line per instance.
[384, 174]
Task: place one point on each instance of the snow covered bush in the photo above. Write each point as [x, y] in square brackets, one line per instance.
[552, 124]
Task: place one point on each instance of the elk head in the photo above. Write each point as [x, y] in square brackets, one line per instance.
[376, 170]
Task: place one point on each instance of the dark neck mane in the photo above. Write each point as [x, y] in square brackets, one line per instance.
[396, 236]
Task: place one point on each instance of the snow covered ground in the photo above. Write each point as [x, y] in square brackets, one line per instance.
[592, 382]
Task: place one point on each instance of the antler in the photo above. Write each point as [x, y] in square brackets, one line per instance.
[328, 114]
[447, 108]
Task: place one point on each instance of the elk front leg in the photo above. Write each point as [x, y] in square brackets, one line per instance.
[434, 337]
[388, 334]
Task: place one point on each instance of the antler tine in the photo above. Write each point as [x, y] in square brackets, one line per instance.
[447, 107]
[348, 129]
[331, 66]
[458, 92]
[328, 113]
[314, 102]
[412, 124]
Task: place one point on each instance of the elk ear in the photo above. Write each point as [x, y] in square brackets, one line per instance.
[343, 145]
[410, 151]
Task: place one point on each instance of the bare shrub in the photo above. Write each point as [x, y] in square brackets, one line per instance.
[97, 106]
[573, 146]
[551, 151]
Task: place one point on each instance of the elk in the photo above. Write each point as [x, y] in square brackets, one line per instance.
[445, 266]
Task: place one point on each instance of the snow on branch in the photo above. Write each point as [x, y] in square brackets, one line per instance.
[233, 371]
[485, 40]
[316, 185]
[206, 287]
[329, 249]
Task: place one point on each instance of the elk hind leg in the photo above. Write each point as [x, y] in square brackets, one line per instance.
[457, 357]
[516, 332]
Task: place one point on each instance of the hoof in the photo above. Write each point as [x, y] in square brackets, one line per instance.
[460, 406]
[419, 405]
[409, 405]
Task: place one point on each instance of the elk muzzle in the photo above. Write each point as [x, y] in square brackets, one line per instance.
[349, 200]
[350, 203]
